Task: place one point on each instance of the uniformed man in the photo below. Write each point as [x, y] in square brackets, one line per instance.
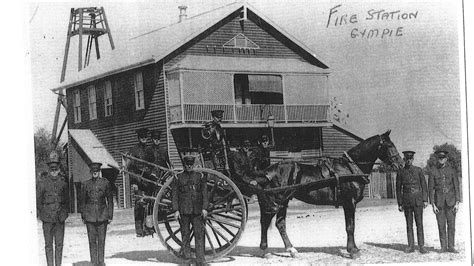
[139, 151]
[261, 154]
[242, 166]
[214, 134]
[156, 153]
[444, 197]
[97, 209]
[52, 203]
[412, 197]
[190, 203]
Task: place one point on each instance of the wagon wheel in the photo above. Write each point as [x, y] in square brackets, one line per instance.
[225, 222]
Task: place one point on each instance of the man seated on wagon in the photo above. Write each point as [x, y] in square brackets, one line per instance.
[242, 167]
[261, 154]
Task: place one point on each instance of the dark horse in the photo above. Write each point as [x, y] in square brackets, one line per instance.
[291, 173]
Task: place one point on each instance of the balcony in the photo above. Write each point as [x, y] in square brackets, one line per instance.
[251, 113]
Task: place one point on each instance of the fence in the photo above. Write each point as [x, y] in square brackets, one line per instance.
[381, 186]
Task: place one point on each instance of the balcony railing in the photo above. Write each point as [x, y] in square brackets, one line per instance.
[250, 113]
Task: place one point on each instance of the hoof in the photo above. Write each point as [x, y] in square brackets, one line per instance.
[265, 254]
[293, 252]
[354, 253]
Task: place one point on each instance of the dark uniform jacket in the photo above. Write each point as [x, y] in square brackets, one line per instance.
[411, 187]
[243, 168]
[260, 158]
[97, 200]
[52, 199]
[444, 186]
[215, 144]
[158, 155]
[189, 192]
[137, 151]
[214, 132]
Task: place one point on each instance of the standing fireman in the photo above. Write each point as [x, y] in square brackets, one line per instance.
[52, 203]
[213, 133]
[444, 197]
[190, 205]
[97, 209]
[139, 151]
[412, 197]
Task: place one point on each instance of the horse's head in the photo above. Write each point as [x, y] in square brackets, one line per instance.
[387, 152]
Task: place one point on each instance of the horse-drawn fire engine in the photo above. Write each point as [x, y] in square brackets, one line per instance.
[336, 178]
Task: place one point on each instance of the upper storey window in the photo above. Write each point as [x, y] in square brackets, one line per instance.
[139, 93]
[76, 103]
[108, 99]
[92, 102]
[258, 89]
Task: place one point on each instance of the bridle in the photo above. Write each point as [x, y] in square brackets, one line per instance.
[392, 153]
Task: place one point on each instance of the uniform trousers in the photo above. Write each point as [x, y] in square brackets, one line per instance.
[139, 216]
[198, 227]
[447, 216]
[96, 232]
[417, 213]
[53, 232]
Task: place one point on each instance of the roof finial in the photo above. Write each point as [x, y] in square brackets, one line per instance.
[182, 12]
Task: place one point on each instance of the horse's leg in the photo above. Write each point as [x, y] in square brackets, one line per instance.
[280, 223]
[349, 214]
[265, 220]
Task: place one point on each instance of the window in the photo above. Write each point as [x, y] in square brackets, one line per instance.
[139, 95]
[258, 89]
[76, 103]
[108, 98]
[92, 102]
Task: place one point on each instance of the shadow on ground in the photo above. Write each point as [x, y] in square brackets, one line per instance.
[121, 232]
[396, 246]
[242, 251]
[239, 251]
[147, 255]
[82, 263]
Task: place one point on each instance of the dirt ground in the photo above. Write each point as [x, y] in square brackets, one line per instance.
[317, 232]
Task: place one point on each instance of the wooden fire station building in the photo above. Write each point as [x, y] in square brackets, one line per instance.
[231, 58]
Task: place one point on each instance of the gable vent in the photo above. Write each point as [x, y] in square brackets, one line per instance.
[240, 41]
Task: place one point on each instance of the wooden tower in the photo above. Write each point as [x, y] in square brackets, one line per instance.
[90, 21]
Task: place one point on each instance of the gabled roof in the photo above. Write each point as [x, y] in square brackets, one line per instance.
[91, 147]
[155, 45]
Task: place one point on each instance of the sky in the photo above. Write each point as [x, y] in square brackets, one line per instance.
[407, 81]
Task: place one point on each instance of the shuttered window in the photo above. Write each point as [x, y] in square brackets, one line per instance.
[76, 103]
[108, 99]
[139, 93]
[92, 102]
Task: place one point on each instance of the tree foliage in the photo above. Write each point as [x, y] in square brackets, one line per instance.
[454, 157]
[43, 148]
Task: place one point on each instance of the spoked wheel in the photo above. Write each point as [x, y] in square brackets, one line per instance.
[225, 222]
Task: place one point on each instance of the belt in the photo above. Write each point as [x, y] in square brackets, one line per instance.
[96, 201]
[189, 188]
[51, 203]
[410, 190]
